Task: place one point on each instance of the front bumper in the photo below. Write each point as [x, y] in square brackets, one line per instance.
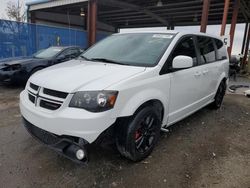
[66, 146]
[67, 121]
[10, 76]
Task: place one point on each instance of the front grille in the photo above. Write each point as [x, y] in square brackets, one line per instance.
[46, 98]
[42, 135]
[49, 105]
[32, 98]
[34, 87]
[54, 93]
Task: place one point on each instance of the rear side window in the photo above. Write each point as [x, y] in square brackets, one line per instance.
[185, 47]
[221, 50]
[207, 50]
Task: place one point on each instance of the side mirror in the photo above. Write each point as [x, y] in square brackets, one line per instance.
[182, 62]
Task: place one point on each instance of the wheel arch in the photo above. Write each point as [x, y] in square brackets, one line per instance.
[156, 103]
[130, 111]
[36, 67]
[223, 78]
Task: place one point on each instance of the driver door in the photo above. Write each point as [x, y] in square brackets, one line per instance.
[186, 84]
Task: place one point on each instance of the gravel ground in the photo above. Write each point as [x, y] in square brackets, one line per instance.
[207, 149]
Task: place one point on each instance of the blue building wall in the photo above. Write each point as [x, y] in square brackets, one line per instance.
[24, 39]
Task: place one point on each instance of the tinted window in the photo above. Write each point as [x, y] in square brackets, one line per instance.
[221, 50]
[207, 50]
[185, 47]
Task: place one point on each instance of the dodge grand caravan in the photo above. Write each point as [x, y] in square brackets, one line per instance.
[130, 85]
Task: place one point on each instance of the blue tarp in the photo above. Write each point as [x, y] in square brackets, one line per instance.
[24, 39]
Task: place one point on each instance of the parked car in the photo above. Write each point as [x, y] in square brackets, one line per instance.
[18, 70]
[130, 85]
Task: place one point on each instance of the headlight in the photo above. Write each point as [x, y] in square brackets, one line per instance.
[94, 101]
[16, 67]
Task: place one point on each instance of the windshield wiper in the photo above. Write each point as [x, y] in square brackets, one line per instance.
[107, 61]
[83, 57]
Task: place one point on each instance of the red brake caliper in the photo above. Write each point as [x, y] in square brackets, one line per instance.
[137, 134]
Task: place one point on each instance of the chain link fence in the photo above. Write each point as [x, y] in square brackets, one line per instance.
[24, 39]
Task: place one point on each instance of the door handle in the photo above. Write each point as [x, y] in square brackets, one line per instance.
[197, 74]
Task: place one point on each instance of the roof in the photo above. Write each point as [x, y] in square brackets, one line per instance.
[42, 4]
[152, 31]
[147, 13]
[174, 32]
[64, 47]
[34, 2]
[134, 13]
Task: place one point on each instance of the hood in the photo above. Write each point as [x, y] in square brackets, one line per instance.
[10, 59]
[78, 75]
[22, 61]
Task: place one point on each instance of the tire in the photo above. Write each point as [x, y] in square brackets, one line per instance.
[137, 136]
[219, 96]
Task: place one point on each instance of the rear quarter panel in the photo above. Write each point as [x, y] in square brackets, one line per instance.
[223, 69]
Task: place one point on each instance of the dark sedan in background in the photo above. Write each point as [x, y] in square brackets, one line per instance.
[18, 70]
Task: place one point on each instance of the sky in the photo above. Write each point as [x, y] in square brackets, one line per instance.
[2, 8]
[213, 29]
[4, 5]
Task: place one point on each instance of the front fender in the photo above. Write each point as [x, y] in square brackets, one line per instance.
[127, 107]
[139, 99]
[30, 67]
[135, 92]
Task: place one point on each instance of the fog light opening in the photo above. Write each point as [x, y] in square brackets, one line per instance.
[80, 154]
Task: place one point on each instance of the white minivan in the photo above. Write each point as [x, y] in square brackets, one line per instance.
[130, 86]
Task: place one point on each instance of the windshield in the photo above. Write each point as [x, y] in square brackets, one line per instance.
[48, 53]
[140, 49]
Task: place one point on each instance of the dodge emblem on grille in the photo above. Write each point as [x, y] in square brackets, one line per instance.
[37, 96]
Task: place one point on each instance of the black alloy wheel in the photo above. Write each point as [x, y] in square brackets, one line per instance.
[137, 136]
[145, 135]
